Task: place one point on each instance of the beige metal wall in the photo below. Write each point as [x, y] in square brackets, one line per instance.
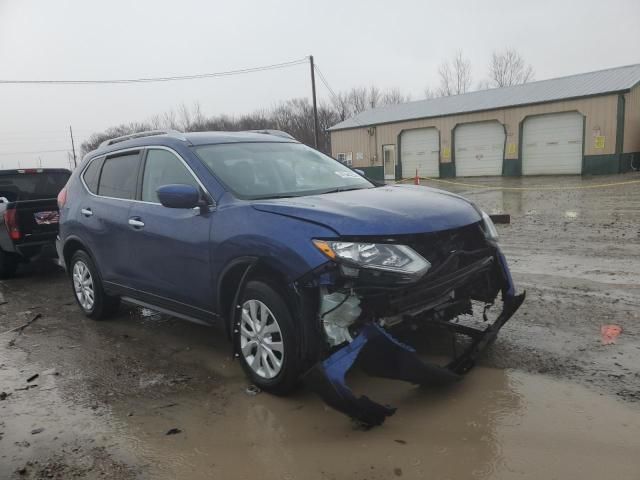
[632, 121]
[600, 113]
[356, 141]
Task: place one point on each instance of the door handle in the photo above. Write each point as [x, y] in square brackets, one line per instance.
[86, 212]
[136, 222]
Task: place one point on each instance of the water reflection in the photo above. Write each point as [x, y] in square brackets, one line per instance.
[453, 432]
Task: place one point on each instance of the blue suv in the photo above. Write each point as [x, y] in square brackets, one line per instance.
[307, 263]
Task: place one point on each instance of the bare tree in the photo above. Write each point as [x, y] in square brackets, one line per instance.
[455, 76]
[509, 68]
[394, 96]
[168, 120]
[341, 105]
[429, 93]
[125, 129]
[294, 116]
[358, 100]
[374, 97]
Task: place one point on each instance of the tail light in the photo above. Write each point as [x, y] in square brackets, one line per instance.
[62, 197]
[11, 221]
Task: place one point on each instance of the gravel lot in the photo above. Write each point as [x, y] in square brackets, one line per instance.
[549, 400]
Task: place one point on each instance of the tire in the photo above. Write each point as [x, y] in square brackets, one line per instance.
[85, 280]
[8, 265]
[276, 336]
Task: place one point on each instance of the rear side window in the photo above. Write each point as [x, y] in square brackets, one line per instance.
[163, 168]
[92, 174]
[119, 177]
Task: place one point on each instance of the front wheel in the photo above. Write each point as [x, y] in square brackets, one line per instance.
[266, 339]
[88, 289]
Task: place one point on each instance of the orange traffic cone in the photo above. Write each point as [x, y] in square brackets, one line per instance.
[416, 181]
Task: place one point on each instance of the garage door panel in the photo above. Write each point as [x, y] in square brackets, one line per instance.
[552, 144]
[420, 149]
[479, 149]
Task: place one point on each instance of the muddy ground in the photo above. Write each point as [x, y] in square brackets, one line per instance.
[548, 401]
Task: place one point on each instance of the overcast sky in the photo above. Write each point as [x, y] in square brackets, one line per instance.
[387, 43]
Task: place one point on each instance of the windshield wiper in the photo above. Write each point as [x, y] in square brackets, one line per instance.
[269, 197]
[342, 189]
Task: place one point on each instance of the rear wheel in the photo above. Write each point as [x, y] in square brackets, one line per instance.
[8, 264]
[88, 289]
[266, 340]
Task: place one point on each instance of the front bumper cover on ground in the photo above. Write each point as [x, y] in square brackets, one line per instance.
[381, 355]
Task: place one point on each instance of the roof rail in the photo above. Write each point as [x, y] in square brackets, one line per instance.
[277, 133]
[149, 133]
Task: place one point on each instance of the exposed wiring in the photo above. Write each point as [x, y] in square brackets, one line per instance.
[346, 297]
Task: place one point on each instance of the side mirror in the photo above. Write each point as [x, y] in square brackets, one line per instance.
[179, 196]
[361, 172]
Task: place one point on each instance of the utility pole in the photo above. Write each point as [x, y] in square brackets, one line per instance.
[73, 147]
[315, 105]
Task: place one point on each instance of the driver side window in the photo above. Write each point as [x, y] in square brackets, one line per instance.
[163, 168]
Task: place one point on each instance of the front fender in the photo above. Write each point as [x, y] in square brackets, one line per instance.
[282, 243]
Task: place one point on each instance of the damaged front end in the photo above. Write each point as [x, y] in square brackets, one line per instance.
[373, 290]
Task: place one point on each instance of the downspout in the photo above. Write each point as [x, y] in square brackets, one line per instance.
[620, 131]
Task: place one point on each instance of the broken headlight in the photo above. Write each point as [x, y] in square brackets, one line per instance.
[385, 257]
[489, 228]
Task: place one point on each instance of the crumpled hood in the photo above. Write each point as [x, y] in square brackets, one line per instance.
[389, 210]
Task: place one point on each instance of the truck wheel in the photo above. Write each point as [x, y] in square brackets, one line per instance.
[266, 340]
[8, 264]
[88, 289]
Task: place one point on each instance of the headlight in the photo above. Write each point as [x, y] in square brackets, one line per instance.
[376, 256]
[489, 228]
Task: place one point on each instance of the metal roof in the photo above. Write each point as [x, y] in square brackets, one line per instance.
[563, 88]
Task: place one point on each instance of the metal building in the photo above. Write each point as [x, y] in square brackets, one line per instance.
[581, 124]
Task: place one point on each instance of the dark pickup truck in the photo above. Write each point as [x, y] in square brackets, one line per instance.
[28, 214]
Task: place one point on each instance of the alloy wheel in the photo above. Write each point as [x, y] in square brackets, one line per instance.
[261, 339]
[83, 285]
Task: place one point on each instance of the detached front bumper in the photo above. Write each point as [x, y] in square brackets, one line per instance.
[380, 354]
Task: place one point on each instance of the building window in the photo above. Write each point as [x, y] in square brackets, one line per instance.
[346, 158]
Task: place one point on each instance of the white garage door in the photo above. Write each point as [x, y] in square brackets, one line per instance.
[420, 149]
[479, 149]
[552, 144]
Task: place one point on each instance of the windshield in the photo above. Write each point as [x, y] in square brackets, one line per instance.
[32, 186]
[276, 170]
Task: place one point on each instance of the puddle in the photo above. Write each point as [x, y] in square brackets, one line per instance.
[496, 424]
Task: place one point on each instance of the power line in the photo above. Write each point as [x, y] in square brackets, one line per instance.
[337, 99]
[326, 84]
[32, 141]
[160, 79]
[34, 152]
